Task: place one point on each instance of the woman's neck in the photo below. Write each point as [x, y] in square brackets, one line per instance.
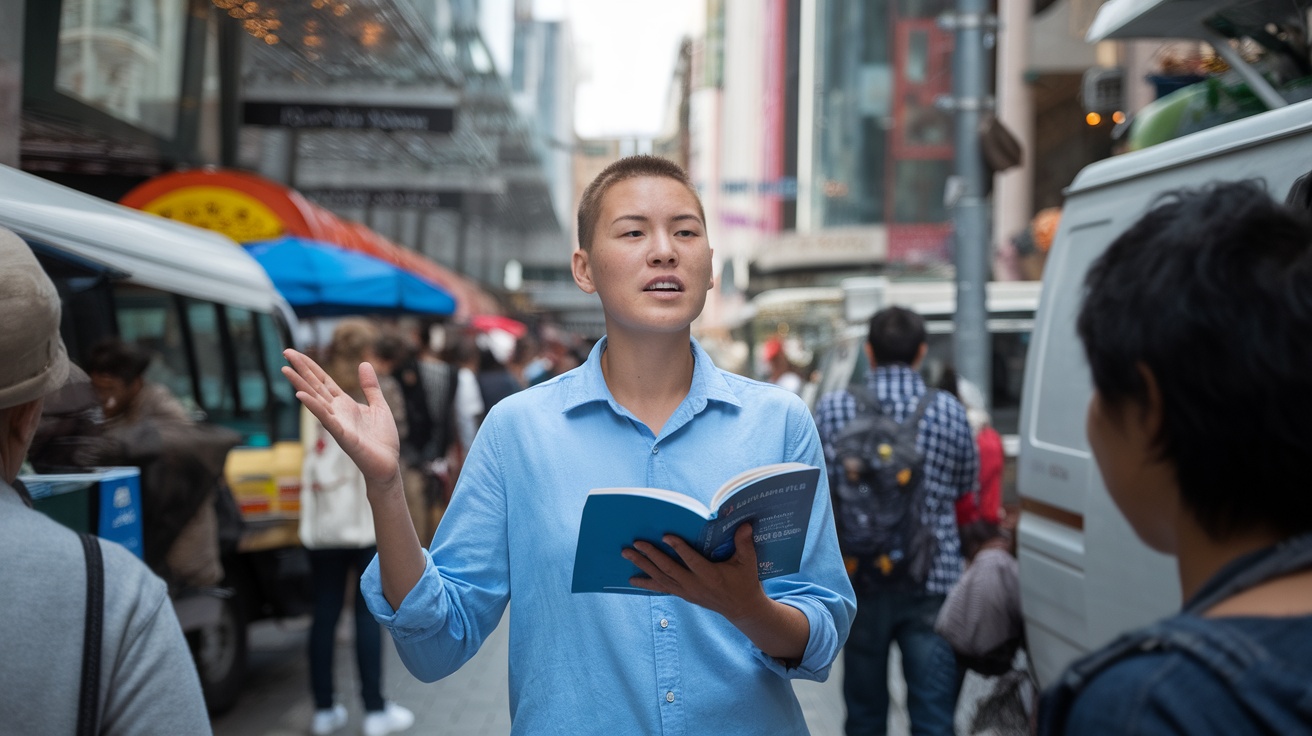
[1200, 557]
[650, 376]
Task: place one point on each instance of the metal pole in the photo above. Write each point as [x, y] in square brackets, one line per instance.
[974, 28]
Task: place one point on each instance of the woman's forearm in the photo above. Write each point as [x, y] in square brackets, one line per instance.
[400, 556]
[777, 629]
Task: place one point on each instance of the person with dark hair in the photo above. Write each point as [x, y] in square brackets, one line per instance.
[118, 374]
[495, 381]
[1196, 323]
[981, 617]
[391, 351]
[181, 463]
[714, 649]
[895, 346]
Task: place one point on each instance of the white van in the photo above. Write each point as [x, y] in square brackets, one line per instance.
[1085, 576]
[1010, 306]
[216, 326]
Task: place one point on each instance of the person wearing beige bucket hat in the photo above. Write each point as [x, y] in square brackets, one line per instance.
[143, 679]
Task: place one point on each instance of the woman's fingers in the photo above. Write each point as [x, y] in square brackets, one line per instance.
[312, 378]
[373, 393]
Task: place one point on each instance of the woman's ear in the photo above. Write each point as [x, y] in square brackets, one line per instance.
[1149, 414]
[582, 271]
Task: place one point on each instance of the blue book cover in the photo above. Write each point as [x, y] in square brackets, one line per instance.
[776, 499]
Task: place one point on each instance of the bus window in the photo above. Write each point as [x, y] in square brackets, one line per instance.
[286, 409]
[149, 319]
[252, 386]
[216, 395]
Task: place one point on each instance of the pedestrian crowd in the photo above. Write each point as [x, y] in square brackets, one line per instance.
[446, 466]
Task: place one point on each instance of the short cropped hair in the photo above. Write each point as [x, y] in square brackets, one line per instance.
[1211, 290]
[895, 335]
[631, 167]
[114, 357]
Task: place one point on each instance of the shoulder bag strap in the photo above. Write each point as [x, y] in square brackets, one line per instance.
[865, 398]
[926, 399]
[88, 706]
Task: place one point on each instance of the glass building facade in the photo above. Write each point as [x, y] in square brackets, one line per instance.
[882, 148]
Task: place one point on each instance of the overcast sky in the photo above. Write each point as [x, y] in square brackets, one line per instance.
[625, 53]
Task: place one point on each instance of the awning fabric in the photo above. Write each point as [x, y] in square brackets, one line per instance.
[250, 208]
[320, 280]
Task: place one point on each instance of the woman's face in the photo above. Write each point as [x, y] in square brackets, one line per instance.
[650, 261]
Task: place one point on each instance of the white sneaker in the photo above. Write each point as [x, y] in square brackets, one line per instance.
[328, 720]
[390, 719]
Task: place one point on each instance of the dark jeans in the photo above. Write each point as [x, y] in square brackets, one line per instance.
[328, 568]
[928, 664]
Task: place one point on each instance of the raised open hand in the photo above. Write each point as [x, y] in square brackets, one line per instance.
[366, 432]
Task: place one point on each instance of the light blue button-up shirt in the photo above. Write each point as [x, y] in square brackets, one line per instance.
[607, 663]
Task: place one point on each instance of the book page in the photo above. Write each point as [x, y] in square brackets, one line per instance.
[747, 477]
[678, 499]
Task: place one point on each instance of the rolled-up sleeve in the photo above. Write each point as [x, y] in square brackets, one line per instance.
[821, 589]
[465, 585]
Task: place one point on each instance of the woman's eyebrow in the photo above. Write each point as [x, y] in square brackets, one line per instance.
[639, 218]
[645, 219]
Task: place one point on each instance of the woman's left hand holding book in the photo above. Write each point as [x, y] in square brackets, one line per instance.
[731, 588]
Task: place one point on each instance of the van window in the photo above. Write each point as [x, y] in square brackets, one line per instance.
[1008, 376]
[252, 388]
[150, 319]
[1061, 372]
[285, 409]
[216, 395]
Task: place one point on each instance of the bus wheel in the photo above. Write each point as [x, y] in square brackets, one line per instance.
[220, 655]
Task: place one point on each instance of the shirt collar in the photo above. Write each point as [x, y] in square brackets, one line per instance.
[896, 374]
[708, 384]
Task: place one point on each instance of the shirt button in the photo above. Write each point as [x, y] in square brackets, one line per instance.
[669, 697]
[665, 623]
[655, 450]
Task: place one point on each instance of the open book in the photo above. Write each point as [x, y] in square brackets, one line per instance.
[776, 499]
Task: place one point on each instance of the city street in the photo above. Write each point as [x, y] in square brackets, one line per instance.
[472, 702]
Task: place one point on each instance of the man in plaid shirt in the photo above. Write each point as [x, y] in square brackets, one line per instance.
[895, 348]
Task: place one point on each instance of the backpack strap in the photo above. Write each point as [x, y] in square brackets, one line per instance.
[922, 406]
[88, 704]
[865, 399]
[1227, 656]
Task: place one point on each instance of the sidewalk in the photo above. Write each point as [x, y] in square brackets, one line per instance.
[472, 702]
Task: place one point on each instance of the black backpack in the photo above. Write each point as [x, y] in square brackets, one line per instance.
[877, 482]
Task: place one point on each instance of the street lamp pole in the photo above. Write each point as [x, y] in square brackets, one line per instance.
[967, 193]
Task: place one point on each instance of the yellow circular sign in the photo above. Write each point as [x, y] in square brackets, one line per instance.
[235, 214]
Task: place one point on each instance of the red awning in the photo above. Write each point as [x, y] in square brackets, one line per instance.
[248, 208]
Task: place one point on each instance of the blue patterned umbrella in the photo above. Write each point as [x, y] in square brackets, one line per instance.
[324, 280]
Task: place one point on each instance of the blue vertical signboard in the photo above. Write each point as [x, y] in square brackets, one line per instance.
[105, 501]
[120, 508]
